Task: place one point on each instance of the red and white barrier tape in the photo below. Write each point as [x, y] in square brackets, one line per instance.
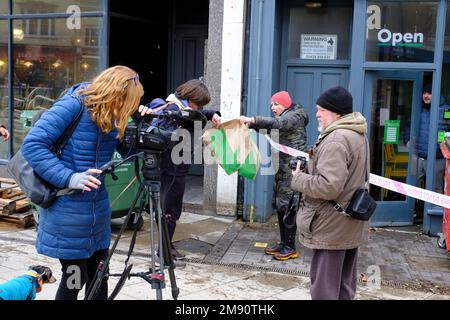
[288, 150]
[438, 199]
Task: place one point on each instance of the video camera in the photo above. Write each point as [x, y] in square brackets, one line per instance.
[293, 163]
[148, 137]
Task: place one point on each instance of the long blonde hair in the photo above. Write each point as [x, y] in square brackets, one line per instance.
[112, 97]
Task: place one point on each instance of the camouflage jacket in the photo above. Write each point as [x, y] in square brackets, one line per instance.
[292, 130]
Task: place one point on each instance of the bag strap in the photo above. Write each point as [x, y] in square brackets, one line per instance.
[61, 142]
[336, 205]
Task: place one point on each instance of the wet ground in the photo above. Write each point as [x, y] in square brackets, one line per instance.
[223, 263]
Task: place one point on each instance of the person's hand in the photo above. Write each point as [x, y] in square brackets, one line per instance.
[143, 110]
[216, 120]
[85, 180]
[297, 170]
[4, 133]
[246, 120]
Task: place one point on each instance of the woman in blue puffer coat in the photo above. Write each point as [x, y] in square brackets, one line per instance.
[76, 228]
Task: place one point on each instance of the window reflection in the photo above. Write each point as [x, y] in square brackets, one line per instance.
[52, 6]
[47, 61]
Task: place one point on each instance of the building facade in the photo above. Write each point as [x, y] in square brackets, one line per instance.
[385, 52]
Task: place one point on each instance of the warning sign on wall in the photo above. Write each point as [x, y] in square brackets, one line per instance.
[318, 46]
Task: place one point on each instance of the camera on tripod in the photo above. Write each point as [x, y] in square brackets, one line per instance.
[293, 163]
[149, 137]
[153, 141]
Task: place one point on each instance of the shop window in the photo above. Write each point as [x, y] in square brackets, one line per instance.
[4, 82]
[60, 6]
[311, 38]
[39, 27]
[91, 37]
[401, 31]
[445, 83]
[3, 7]
[45, 68]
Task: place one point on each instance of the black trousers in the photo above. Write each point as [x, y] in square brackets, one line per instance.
[77, 273]
[333, 274]
[172, 192]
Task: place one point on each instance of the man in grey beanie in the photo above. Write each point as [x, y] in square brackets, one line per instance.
[336, 170]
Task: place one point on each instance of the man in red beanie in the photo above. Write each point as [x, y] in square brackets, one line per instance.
[291, 120]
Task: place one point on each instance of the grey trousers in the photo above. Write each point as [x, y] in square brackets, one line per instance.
[333, 274]
[439, 172]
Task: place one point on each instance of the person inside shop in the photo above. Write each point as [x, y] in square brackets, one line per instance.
[421, 144]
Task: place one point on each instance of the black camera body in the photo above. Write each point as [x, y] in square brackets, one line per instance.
[147, 137]
[293, 163]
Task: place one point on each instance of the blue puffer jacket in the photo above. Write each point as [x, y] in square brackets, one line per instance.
[424, 129]
[77, 225]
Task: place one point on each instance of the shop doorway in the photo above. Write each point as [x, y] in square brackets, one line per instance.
[392, 109]
[164, 42]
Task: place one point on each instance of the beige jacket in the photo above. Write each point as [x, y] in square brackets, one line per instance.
[335, 171]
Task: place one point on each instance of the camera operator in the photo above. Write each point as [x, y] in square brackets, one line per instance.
[76, 228]
[337, 168]
[291, 120]
[193, 95]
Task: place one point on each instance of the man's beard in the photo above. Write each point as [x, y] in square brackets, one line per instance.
[320, 129]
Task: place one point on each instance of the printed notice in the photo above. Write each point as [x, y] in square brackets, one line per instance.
[318, 46]
[391, 131]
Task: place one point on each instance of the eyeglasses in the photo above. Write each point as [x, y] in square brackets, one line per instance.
[135, 79]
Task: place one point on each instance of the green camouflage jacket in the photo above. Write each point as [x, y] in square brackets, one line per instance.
[292, 131]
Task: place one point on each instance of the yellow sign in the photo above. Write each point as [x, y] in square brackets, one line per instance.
[260, 245]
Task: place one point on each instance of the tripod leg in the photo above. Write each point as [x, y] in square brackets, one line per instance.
[157, 280]
[165, 244]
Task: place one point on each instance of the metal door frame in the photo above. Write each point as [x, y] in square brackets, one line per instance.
[395, 213]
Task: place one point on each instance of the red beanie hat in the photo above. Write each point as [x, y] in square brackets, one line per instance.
[282, 98]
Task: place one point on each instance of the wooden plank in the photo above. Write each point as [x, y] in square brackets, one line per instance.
[22, 205]
[7, 206]
[6, 180]
[5, 191]
[14, 193]
[20, 220]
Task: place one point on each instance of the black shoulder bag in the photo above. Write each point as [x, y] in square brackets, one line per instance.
[362, 205]
[39, 191]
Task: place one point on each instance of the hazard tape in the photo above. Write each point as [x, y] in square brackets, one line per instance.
[438, 199]
[288, 150]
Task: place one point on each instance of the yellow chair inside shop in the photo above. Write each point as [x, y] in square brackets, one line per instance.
[396, 164]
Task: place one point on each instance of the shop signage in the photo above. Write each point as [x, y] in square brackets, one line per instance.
[388, 38]
[318, 46]
[391, 131]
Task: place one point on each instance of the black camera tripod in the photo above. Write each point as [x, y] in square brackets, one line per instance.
[150, 188]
